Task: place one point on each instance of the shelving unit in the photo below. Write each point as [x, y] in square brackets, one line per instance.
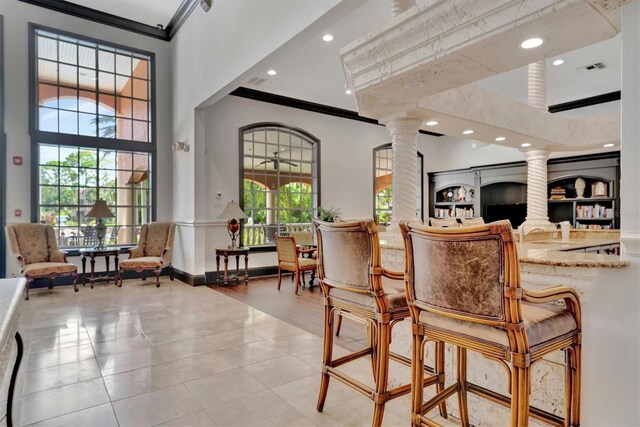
[447, 204]
[587, 212]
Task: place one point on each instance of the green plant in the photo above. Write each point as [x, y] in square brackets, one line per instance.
[328, 215]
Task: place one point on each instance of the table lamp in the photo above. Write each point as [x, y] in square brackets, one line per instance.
[232, 213]
[100, 210]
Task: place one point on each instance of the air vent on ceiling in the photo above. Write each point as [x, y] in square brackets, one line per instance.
[256, 81]
[596, 66]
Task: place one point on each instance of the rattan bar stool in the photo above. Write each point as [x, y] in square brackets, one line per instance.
[463, 288]
[354, 283]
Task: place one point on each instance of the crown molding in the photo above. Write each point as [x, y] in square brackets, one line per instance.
[300, 104]
[83, 12]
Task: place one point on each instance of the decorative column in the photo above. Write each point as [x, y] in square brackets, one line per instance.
[537, 205]
[399, 6]
[537, 85]
[404, 136]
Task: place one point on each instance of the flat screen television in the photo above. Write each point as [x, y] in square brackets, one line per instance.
[516, 213]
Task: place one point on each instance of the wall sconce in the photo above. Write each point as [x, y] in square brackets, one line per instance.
[180, 146]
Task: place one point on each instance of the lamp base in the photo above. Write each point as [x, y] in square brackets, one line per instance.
[232, 228]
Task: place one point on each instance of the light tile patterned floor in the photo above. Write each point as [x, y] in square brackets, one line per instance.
[175, 356]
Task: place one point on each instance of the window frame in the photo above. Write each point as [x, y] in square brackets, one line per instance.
[316, 152]
[38, 137]
[420, 157]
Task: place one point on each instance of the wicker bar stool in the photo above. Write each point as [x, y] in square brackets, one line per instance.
[463, 288]
[355, 285]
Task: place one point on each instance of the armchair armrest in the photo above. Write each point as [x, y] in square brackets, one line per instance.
[306, 251]
[395, 275]
[17, 264]
[166, 255]
[136, 252]
[556, 293]
[57, 256]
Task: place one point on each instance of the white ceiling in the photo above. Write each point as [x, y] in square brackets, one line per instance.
[150, 12]
[313, 72]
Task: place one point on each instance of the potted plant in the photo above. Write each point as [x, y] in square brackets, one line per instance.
[328, 215]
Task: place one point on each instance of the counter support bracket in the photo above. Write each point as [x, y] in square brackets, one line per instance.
[14, 377]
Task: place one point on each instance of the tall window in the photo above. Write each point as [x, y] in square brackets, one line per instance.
[93, 131]
[383, 184]
[279, 182]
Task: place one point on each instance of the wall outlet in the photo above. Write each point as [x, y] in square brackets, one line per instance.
[218, 194]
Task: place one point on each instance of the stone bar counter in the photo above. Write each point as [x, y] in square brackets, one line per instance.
[589, 263]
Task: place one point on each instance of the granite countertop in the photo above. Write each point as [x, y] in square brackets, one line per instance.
[11, 294]
[543, 249]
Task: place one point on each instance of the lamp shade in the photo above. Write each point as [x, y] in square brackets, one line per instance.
[232, 211]
[100, 209]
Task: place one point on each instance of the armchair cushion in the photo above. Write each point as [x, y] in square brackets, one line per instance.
[47, 268]
[141, 263]
[393, 289]
[31, 241]
[136, 252]
[157, 238]
[57, 256]
[444, 222]
[542, 322]
[302, 262]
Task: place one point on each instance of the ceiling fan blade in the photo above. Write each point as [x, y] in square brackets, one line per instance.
[295, 165]
[263, 162]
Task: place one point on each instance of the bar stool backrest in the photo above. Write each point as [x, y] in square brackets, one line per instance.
[347, 252]
[469, 273]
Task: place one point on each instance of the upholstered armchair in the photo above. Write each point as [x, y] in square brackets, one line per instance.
[289, 259]
[153, 253]
[35, 254]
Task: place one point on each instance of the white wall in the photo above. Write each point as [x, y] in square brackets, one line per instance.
[210, 51]
[17, 16]
[346, 161]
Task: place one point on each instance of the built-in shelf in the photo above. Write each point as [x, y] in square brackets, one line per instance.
[583, 200]
[594, 219]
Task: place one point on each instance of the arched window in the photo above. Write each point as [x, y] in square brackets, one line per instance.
[279, 181]
[383, 184]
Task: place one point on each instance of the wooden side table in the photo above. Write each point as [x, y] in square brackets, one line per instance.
[226, 253]
[92, 253]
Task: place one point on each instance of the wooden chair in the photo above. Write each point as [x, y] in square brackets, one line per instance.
[463, 288]
[35, 254]
[354, 282]
[289, 260]
[154, 251]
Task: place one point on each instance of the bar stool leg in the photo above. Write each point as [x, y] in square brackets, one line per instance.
[462, 379]
[441, 376]
[417, 375]
[520, 383]
[382, 372]
[326, 356]
[575, 384]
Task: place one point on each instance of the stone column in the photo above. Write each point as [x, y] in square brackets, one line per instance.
[399, 6]
[537, 204]
[404, 136]
[537, 85]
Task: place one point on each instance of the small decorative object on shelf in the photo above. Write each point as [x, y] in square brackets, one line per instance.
[462, 194]
[599, 189]
[580, 186]
[558, 193]
[470, 195]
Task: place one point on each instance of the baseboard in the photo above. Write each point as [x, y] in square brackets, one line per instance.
[68, 280]
[209, 278]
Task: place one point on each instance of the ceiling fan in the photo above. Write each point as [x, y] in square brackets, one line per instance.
[276, 160]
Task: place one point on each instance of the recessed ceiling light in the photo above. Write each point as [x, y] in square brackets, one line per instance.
[531, 43]
[467, 132]
[608, 145]
[558, 62]
[348, 91]
[500, 138]
[432, 123]
[525, 144]
[272, 72]
[327, 37]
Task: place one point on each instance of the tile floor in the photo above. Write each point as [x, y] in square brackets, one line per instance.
[174, 356]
